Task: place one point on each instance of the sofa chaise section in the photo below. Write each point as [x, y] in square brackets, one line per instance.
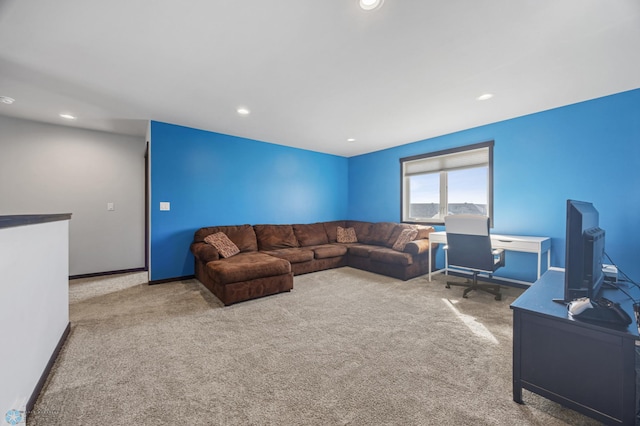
[244, 276]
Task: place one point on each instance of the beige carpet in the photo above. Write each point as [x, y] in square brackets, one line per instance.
[345, 347]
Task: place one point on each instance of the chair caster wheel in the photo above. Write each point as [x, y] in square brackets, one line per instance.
[447, 286]
[465, 296]
[499, 297]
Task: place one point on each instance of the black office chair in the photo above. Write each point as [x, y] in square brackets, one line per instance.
[469, 247]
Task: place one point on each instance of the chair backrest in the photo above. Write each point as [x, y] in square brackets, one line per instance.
[469, 242]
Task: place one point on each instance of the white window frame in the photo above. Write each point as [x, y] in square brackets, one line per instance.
[470, 156]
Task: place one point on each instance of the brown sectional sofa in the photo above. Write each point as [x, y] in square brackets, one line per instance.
[270, 255]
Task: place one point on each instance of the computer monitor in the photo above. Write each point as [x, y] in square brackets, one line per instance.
[584, 252]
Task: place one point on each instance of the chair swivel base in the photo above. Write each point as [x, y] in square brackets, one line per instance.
[470, 286]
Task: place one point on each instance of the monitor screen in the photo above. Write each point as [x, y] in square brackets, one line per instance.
[584, 251]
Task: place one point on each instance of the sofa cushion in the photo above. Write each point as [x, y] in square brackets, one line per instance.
[363, 230]
[310, 235]
[293, 255]
[329, 250]
[223, 244]
[361, 250]
[346, 235]
[331, 228]
[387, 255]
[405, 236]
[380, 233]
[246, 266]
[274, 237]
[396, 233]
[423, 231]
[242, 236]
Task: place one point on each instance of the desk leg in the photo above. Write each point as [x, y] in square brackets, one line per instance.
[429, 262]
[539, 263]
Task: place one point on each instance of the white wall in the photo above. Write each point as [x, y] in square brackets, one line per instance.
[46, 168]
[34, 290]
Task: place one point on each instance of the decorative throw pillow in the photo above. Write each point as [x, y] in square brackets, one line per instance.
[223, 244]
[346, 235]
[405, 236]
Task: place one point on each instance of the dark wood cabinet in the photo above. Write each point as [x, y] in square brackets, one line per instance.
[588, 367]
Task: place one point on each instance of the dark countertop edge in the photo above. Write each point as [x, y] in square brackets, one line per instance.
[31, 219]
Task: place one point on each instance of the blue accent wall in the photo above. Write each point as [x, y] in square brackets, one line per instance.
[588, 151]
[215, 179]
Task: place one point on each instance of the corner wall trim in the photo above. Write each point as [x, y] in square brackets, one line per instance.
[47, 370]
[169, 280]
[100, 274]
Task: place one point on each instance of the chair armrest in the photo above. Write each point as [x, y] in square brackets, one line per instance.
[204, 252]
[499, 254]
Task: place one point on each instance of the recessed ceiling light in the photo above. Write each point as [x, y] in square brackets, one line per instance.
[351, 140]
[7, 100]
[370, 4]
[243, 111]
[485, 96]
[68, 116]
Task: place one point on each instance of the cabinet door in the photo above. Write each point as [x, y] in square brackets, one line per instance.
[577, 366]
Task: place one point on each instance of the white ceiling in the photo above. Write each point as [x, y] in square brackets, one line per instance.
[313, 73]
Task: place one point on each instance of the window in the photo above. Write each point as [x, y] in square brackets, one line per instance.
[453, 181]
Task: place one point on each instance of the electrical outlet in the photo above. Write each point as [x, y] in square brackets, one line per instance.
[111, 207]
[165, 206]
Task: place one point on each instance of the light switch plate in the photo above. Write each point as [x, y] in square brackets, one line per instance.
[165, 206]
[111, 206]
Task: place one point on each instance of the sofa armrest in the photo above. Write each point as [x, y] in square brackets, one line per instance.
[417, 246]
[204, 252]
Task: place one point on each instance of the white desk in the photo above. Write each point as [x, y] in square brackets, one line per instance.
[538, 245]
